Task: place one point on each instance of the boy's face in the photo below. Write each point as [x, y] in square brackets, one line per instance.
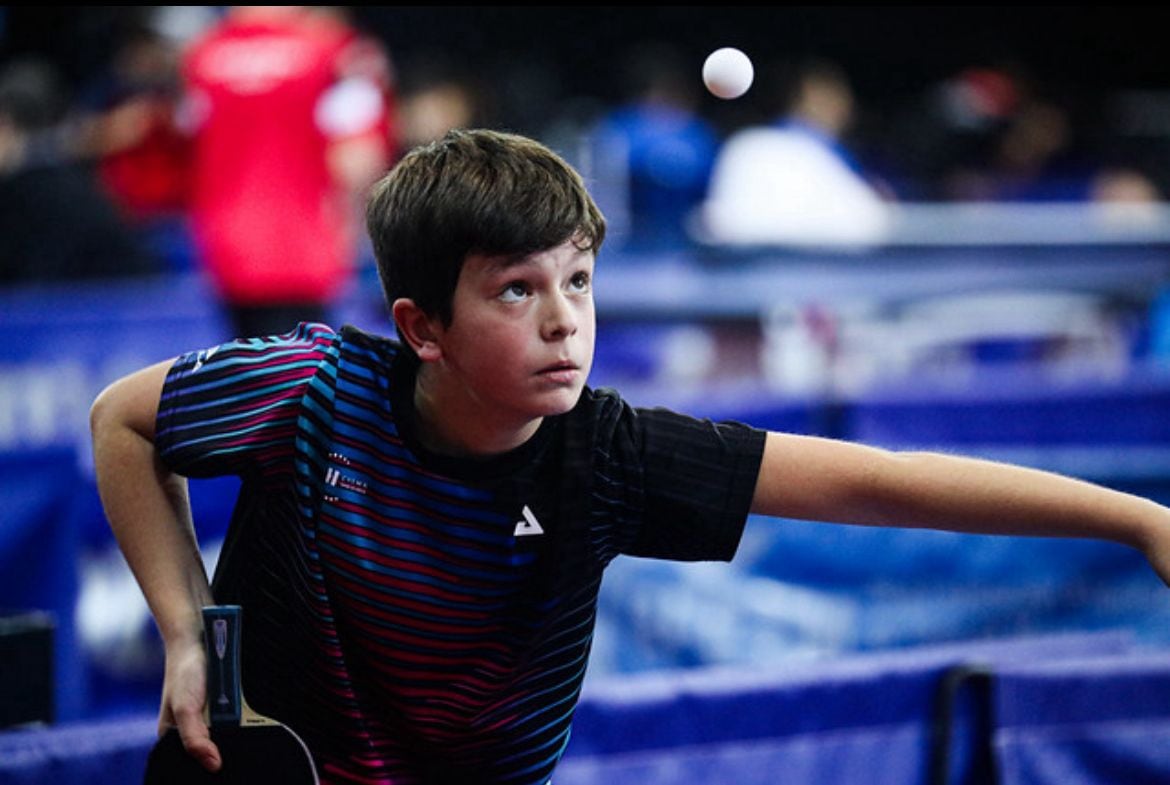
[520, 342]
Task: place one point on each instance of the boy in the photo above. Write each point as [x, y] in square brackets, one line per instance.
[423, 525]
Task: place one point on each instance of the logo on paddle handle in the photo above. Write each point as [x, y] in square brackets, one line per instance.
[220, 626]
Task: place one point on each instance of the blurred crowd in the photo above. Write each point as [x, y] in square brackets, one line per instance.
[134, 169]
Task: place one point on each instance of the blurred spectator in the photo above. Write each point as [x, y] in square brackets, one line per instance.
[793, 182]
[291, 127]
[437, 95]
[1123, 185]
[655, 152]
[1031, 157]
[946, 125]
[1031, 146]
[55, 220]
[129, 127]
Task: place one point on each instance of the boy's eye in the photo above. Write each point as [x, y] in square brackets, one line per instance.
[580, 282]
[514, 292]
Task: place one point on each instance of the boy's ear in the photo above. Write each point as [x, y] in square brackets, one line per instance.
[418, 330]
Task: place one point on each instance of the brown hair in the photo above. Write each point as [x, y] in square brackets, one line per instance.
[473, 191]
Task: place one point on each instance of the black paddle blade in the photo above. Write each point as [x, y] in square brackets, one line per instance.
[258, 755]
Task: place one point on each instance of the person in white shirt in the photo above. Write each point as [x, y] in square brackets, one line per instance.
[792, 182]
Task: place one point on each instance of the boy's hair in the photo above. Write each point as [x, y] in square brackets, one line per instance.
[473, 192]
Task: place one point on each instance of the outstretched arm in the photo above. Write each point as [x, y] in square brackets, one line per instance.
[149, 512]
[826, 480]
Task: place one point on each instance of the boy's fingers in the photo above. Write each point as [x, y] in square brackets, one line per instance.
[197, 739]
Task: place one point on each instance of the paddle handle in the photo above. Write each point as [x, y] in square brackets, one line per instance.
[221, 631]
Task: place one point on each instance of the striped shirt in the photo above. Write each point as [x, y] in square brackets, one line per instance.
[420, 618]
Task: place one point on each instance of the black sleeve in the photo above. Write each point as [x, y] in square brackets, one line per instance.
[697, 480]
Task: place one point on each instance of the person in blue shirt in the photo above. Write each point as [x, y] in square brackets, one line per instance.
[655, 152]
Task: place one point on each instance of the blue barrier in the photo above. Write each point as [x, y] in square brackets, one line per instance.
[847, 720]
[109, 751]
[39, 544]
[868, 718]
[1094, 721]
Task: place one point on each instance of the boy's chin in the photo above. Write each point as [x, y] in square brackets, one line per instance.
[561, 402]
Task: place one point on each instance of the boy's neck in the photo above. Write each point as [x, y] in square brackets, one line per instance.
[446, 425]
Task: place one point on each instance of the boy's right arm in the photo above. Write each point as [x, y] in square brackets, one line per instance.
[814, 478]
[149, 512]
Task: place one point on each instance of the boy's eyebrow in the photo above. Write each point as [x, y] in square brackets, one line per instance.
[507, 261]
[495, 263]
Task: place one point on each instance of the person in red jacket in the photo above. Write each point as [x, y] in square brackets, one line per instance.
[291, 126]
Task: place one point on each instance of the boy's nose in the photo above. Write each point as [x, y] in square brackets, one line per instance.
[560, 320]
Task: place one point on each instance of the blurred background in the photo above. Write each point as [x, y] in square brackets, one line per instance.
[940, 228]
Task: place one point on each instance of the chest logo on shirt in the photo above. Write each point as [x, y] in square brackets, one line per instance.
[335, 479]
[529, 526]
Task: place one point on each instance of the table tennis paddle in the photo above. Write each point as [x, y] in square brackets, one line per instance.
[253, 748]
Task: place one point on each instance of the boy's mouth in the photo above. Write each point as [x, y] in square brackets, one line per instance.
[563, 372]
[563, 365]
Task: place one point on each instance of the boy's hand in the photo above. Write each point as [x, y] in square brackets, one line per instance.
[184, 694]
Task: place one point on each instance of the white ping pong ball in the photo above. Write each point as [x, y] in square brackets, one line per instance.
[728, 72]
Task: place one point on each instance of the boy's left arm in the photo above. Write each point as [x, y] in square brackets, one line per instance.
[820, 479]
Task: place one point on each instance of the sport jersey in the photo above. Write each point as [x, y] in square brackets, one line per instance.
[421, 618]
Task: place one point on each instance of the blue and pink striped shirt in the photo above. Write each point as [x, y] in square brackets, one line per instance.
[420, 618]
